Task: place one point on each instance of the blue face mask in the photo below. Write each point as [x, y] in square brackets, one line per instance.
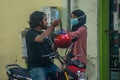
[74, 21]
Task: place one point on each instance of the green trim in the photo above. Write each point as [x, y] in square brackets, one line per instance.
[104, 40]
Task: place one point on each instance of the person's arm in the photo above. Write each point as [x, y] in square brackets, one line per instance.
[78, 32]
[47, 32]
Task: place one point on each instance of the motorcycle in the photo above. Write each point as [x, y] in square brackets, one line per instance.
[71, 70]
[16, 72]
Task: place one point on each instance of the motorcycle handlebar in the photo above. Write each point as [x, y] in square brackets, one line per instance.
[51, 55]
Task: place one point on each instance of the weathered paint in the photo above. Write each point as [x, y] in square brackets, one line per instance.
[14, 16]
[91, 8]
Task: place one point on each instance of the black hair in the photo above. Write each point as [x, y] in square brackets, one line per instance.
[81, 17]
[35, 18]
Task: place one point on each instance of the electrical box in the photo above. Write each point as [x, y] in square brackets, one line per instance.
[24, 48]
[52, 13]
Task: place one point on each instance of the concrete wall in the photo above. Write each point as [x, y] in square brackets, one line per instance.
[14, 16]
[91, 9]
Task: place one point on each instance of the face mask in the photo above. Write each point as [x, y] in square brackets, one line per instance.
[74, 21]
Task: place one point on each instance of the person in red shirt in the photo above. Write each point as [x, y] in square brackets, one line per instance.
[79, 30]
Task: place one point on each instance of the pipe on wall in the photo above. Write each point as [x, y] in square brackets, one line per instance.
[68, 14]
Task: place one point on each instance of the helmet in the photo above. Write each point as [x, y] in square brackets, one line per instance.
[63, 40]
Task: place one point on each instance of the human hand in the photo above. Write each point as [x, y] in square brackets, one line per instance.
[55, 23]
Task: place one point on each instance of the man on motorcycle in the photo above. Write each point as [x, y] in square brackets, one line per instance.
[38, 44]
